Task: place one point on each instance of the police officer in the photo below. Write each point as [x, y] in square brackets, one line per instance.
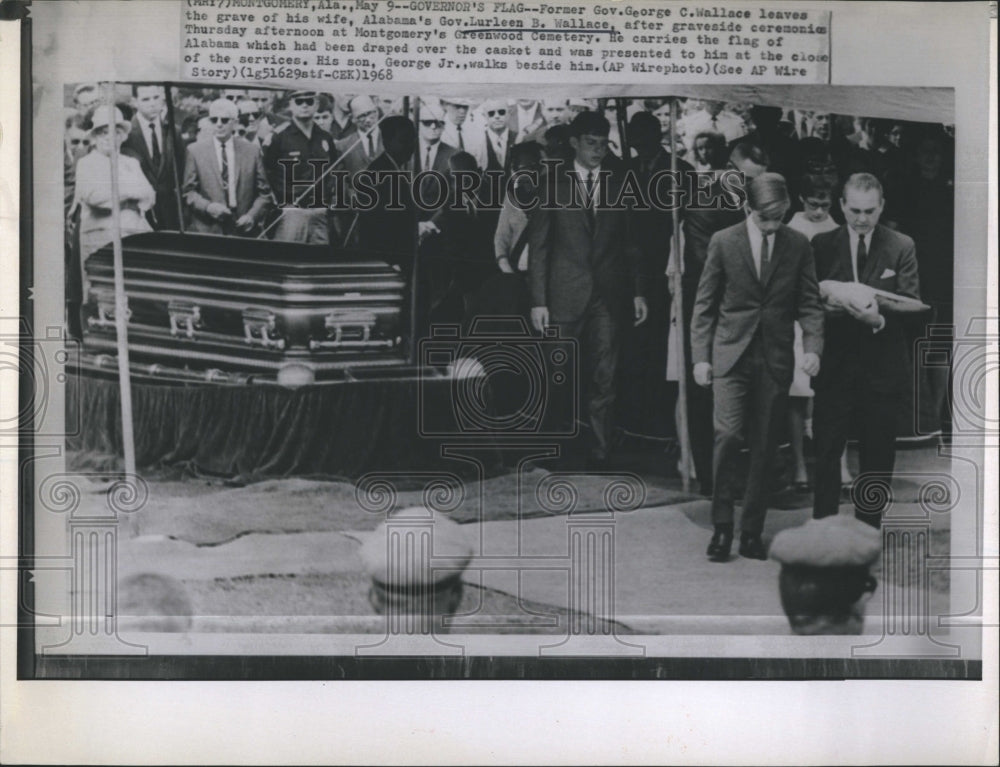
[296, 154]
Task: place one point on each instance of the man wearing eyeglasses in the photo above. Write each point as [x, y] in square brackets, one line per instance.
[341, 124]
[499, 138]
[225, 187]
[432, 155]
[151, 141]
[459, 132]
[583, 271]
[358, 149]
[250, 119]
[296, 155]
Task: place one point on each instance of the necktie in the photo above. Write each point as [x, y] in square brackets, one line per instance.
[371, 147]
[862, 257]
[461, 143]
[427, 161]
[591, 213]
[715, 125]
[765, 257]
[156, 144]
[225, 171]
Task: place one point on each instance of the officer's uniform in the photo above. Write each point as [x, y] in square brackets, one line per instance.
[305, 220]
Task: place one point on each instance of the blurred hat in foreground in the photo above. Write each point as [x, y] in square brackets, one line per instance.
[837, 541]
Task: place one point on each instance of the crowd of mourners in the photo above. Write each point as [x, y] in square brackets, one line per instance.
[239, 162]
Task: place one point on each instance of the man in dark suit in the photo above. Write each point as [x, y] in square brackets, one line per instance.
[151, 141]
[432, 154]
[702, 219]
[390, 229]
[758, 279]
[225, 186]
[583, 271]
[867, 363]
[646, 401]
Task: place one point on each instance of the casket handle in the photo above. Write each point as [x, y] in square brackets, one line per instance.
[106, 310]
[258, 324]
[348, 328]
[184, 318]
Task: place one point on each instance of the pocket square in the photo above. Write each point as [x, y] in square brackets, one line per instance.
[887, 274]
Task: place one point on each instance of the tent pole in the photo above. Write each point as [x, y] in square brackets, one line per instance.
[121, 301]
[677, 309]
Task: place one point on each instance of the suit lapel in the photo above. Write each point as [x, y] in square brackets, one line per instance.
[239, 156]
[872, 265]
[777, 252]
[747, 254]
[844, 269]
[140, 143]
[213, 163]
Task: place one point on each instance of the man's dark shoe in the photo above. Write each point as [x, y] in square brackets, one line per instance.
[720, 545]
[752, 547]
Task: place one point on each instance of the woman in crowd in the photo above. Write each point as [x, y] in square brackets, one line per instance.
[816, 199]
[93, 185]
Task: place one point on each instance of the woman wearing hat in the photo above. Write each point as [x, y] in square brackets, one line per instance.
[93, 185]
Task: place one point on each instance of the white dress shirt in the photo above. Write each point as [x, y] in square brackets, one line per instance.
[374, 133]
[231, 162]
[148, 132]
[582, 173]
[756, 236]
[853, 238]
[427, 162]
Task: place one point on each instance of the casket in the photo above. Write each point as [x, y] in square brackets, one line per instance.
[208, 303]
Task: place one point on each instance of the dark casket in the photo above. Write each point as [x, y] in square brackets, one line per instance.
[225, 305]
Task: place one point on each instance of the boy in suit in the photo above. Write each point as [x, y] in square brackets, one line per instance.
[583, 272]
[758, 279]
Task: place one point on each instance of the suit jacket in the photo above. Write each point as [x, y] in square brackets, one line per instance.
[352, 155]
[203, 183]
[699, 227]
[854, 354]
[428, 188]
[160, 177]
[392, 233]
[733, 303]
[571, 259]
[490, 159]
[653, 228]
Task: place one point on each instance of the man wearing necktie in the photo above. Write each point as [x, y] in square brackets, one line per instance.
[499, 138]
[358, 149]
[759, 277]
[151, 142]
[583, 272]
[867, 363]
[225, 187]
[433, 154]
[460, 132]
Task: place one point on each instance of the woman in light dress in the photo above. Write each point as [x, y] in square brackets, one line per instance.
[93, 185]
